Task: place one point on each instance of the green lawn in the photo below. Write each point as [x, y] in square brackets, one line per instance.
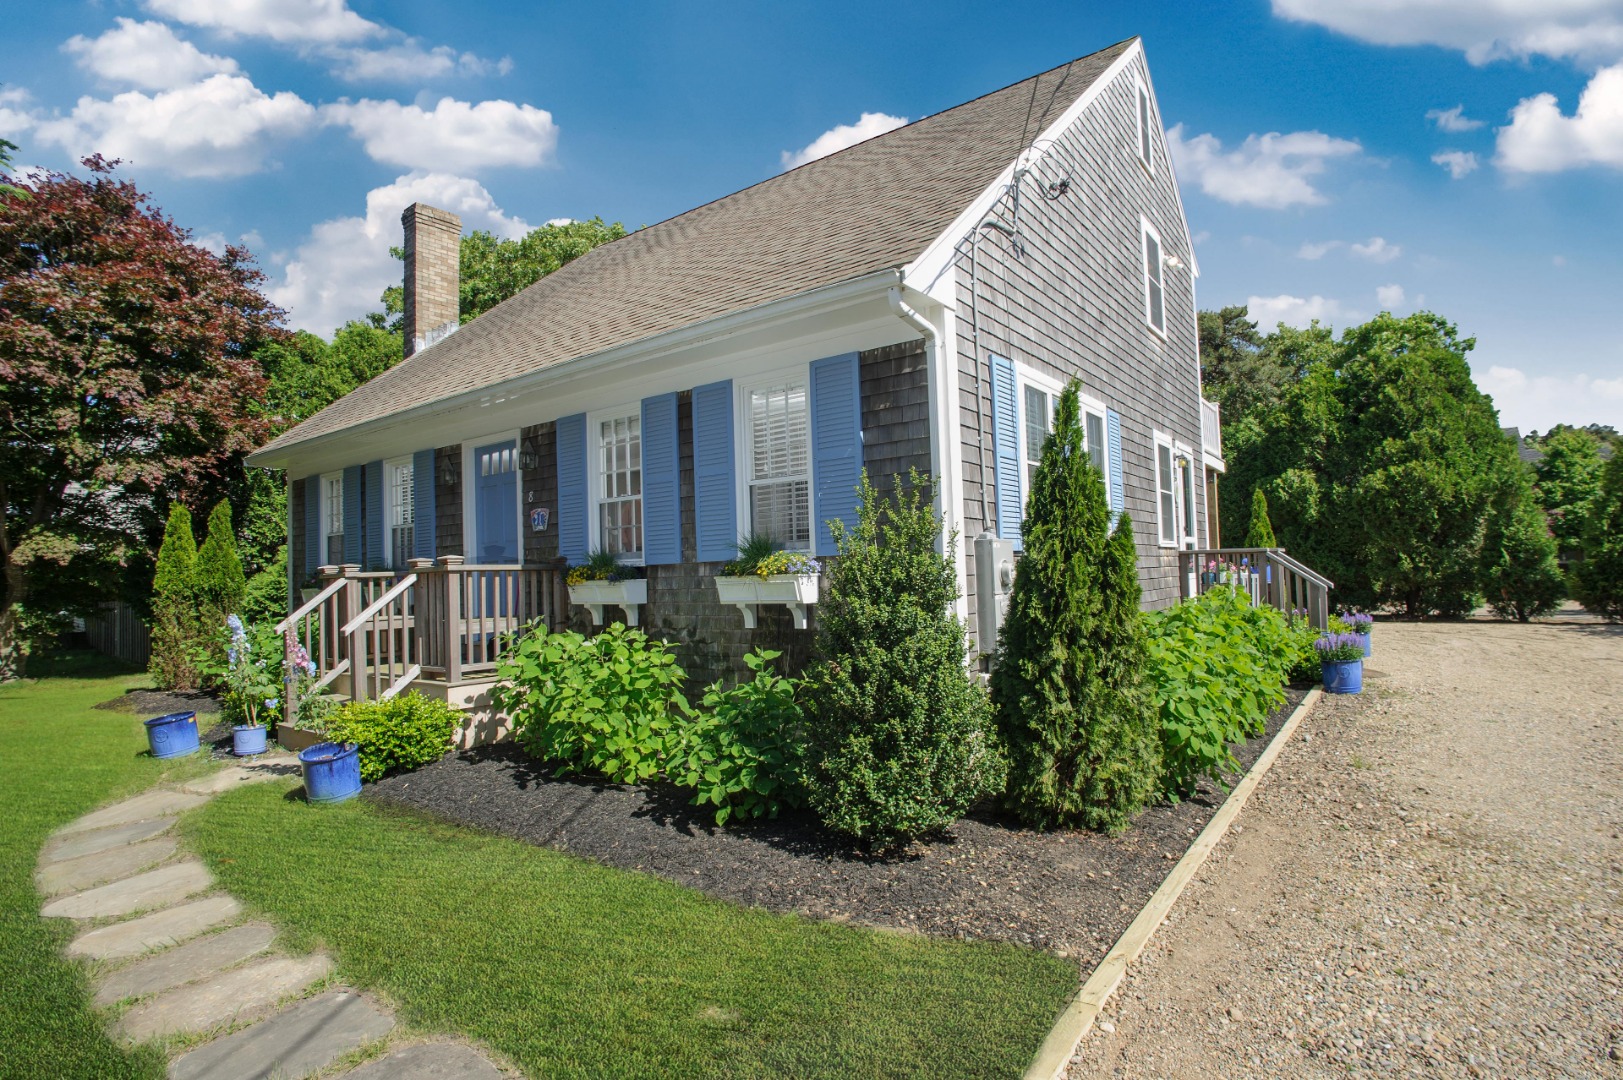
[576, 969]
[58, 759]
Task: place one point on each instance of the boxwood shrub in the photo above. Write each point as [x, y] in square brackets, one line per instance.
[397, 735]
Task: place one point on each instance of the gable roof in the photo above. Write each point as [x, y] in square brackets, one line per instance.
[871, 207]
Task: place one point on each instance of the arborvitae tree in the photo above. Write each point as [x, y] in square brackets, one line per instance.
[1068, 689]
[221, 585]
[1599, 578]
[174, 605]
[899, 739]
[1520, 577]
[1261, 533]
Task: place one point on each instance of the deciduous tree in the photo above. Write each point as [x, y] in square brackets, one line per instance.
[1599, 577]
[1567, 481]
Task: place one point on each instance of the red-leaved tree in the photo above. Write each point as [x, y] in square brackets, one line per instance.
[127, 381]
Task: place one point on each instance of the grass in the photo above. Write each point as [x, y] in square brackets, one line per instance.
[59, 758]
[573, 969]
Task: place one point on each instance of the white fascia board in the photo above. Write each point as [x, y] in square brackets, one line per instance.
[929, 273]
[834, 317]
[1172, 171]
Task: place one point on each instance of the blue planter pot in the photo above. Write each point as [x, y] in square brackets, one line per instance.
[1343, 676]
[246, 741]
[1363, 639]
[173, 735]
[332, 772]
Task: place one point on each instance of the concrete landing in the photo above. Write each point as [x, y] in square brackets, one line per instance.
[238, 994]
[89, 843]
[155, 888]
[72, 875]
[154, 804]
[429, 1061]
[294, 1043]
[195, 960]
[159, 930]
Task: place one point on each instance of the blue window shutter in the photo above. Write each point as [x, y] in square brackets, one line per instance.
[574, 527]
[715, 490]
[377, 557]
[1118, 494]
[836, 430]
[661, 483]
[352, 514]
[1006, 447]
[314, 542]
[422, 500]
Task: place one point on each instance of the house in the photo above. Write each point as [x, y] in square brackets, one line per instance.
[915, 301]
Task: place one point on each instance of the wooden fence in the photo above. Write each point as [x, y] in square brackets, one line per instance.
[119, 632]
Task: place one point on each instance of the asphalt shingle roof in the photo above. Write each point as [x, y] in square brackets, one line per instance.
[872, 207]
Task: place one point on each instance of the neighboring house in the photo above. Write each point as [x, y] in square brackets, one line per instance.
[915, 301]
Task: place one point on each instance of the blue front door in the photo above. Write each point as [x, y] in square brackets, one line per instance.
[495, 503]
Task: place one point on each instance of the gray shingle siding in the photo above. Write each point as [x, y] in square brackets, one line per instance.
[447, 502]
[1073, 305]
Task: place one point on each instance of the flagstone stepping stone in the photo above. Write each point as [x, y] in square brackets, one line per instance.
[155, 888]
[240, 993]
[429, 1061]
[88, 843]
[294, 1043]
[154, 804]
[236, 776]
[185, 963]
[73, 875]
[159, 930]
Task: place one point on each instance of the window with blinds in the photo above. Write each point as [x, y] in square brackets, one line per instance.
[401, 497]
[1038, 421]
[780, 465]
[619, 508]
[332, 489]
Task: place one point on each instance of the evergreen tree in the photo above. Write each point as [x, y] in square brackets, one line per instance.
[1068, 688]
[221, 585]
[1599, 578]
[1520, 577]
[174, 605]
[1261, 533]
[899, 739]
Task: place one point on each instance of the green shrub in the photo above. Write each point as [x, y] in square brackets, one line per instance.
[602, 704]
[397, 735]
[221, 586]
[1260, 534]
[1599, 578]
[741, 752]
[1069, 682]
[1218, 666]
[266, 598]
[176, 630]
[899, 740]
[1520, 577]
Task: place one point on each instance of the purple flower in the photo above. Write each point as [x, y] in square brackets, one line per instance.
[310, 668]
[271, 703]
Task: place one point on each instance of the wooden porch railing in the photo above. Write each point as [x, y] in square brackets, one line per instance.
[468, 613]
[1266, 575]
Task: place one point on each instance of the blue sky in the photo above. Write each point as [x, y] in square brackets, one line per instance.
[1325, 170]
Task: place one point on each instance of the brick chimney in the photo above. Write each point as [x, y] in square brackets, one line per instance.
[433, 249]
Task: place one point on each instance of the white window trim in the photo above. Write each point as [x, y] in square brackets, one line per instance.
[1182, 514]
[1188, 509]
[1145, 128]
[1159, 440]
[1028, 376]
[389, 465]
[594, 476]
[324, 513]
[1146, 233]
[470, 517]
[742, 445]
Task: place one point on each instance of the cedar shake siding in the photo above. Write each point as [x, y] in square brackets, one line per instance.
[448, 502]
[1073, 306]
[296, 535]
[895, 414]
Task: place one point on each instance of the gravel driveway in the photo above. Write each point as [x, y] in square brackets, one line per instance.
[1427, 883]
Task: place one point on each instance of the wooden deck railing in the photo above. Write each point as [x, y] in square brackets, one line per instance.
[469, 612]
[1266, 575]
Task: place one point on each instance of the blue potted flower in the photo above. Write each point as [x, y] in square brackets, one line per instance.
[1341, 663]
[1360, 624]
[253, 681]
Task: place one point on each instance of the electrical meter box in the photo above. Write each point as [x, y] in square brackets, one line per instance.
[994, 580]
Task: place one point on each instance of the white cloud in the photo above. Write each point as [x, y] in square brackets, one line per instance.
[456, 134]
[1453, 120]
[1541, 139]
[1316, 249]
[1272, 171]
[1590, 31]
[1266, 311]
[409, 61]
[1539, 402]
[1377, 250]
[341, 269]
[212, 242]
[286, 21]
[222, 126]
[838, 138]
[147, 55]
[1459, 163]
[1390, 297]
[16, 116]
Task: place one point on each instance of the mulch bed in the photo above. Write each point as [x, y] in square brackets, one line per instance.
[1072, 893]
[163, 702]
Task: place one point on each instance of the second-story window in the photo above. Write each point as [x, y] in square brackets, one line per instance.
[1155, 308]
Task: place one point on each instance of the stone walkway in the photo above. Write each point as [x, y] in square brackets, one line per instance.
[180, 964]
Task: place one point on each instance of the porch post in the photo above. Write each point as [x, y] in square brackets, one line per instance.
[453, 618]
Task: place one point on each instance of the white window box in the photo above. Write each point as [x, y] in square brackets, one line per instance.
[630, 594]
[797, 592]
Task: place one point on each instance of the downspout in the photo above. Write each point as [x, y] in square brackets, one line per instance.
[932, 346]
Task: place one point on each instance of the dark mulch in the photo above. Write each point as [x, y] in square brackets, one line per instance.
[1069, 892]
[163, 702]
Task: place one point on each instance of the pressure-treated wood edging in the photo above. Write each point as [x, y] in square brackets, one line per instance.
[1077, 1019]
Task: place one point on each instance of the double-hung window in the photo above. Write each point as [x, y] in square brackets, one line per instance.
[779, 465]
[1145, 146]
[400, 509]
[332, 517]
[619, 484]
[1155, 305]
[1039, 400]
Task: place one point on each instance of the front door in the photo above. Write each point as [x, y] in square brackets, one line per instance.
[495, 503]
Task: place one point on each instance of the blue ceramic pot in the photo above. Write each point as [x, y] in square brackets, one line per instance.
[248, 740]
[332, 772]
[1363, 639]
[1343, 676]
[172, 735]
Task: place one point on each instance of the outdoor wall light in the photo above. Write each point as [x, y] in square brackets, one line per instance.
[447, 473]
[526, 459]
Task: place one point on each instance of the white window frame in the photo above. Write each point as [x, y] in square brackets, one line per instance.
[391, 503]
[330, 482]
[1090, 406]
[596, 489]
[470, 516]
[1148, 232]
[1185, 519]
[1143, 124]
[744, 449]
[1165, 482]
